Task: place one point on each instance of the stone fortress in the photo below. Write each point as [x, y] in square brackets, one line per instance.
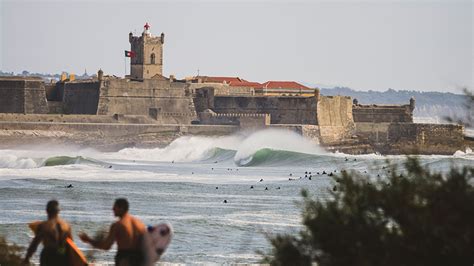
[146, 108]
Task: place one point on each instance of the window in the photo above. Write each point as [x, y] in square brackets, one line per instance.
[152, 59]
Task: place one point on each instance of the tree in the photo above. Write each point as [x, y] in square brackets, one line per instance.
[414, 218]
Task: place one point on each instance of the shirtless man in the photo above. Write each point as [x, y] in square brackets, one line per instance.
[128, 232]
[53, 233]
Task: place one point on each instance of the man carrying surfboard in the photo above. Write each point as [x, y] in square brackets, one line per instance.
[53, 233]
[128, 232]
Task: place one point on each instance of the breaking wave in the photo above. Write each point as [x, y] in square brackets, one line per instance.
[16, 162]
[270, 146]
[66, 160]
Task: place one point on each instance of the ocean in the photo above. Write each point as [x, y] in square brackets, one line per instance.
[260, 175]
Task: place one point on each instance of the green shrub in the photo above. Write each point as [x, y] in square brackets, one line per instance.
[415, 218]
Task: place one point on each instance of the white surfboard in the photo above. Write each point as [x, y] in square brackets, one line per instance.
[156, 242]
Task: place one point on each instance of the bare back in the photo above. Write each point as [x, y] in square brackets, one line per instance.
[128, 232]
[50, 234]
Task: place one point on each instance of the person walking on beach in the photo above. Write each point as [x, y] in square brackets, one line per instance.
[128, 232]
[53, 233]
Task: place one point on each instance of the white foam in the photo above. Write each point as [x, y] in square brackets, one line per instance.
[13, 161]
[183, 149]
[197, 148]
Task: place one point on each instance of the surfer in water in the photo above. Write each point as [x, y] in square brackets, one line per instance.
[128, 232]
[52, 233]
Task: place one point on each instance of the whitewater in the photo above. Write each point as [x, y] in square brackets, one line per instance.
[260, 174]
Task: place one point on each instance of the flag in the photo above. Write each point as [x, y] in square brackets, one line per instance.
[129, 53]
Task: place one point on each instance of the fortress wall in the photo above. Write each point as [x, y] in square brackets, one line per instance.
[120, 130]
[382, 114]
[223, 90]
[62, 118]
[283, 110]
[80, 97]
[22, 95]
[55, 107]
[242, 120]
[145, 88]
[203, 98]
[372, 132]
[334, 114]
[167, 102]
[12, 96]
[334, 111]
[410, 138]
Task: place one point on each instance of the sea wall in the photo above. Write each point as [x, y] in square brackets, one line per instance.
[64, 118]
[410, 138]
[22, 95]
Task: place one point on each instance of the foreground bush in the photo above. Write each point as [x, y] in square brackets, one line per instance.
[10, 254]
[418, 218]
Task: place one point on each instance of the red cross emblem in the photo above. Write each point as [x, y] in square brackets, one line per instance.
[147, 26]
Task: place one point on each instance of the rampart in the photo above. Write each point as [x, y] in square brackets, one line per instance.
[22, 95]
[334, 114]
[410, 138]
[242, 120]
[63, 118]
[153, 97]
[223, 89]
[79, 97]
[282, 109]
[382, 113]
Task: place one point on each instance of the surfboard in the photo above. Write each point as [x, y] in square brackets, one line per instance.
[76, 257]
[157, 240]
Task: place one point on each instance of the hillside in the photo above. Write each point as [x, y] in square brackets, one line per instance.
[430, 106]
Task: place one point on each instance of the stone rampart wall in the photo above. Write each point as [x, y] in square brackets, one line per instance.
[382, 114]
[335, 119]
[283, 110]
[22, 95]
[243, 120]
[62, 118]
[80, 97]
[157, 98]
[410, 138]
[223, 90]
[120, 130]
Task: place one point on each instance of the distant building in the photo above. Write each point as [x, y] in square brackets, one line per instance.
[269, 88]
[284, 88]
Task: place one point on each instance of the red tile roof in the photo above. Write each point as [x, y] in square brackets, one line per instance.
[246, 84]
[226, 80]
[284, 85]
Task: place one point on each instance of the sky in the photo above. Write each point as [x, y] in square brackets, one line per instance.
[365, 45]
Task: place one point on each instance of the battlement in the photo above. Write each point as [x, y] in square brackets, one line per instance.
[383, 113]
[239, 115]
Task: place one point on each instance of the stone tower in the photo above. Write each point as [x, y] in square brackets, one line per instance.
[147, 54]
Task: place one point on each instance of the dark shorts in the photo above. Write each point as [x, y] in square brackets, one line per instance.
[129, 257]
[51, 257]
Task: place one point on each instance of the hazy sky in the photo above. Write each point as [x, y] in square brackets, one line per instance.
[420, 45]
